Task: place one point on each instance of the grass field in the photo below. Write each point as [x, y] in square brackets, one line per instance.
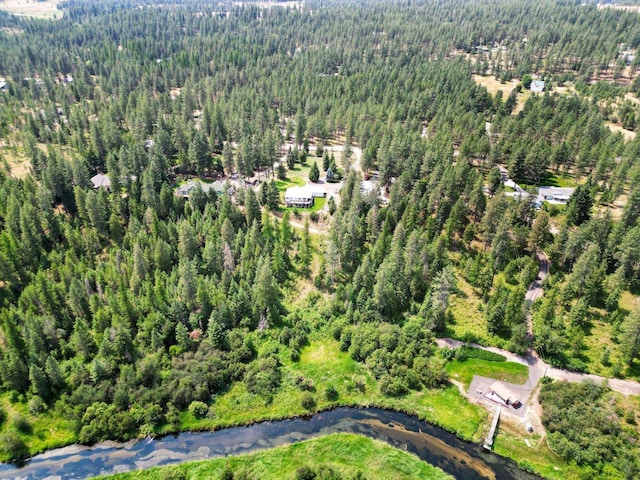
[47, 430]
[558, 180]
[535, 455]
[464, 371]
[345, 454]
[47, 9]
[469, 318]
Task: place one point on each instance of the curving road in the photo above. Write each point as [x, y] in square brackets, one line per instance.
[537, 368]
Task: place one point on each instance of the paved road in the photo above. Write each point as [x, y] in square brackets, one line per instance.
[538, 368]
[535, 289]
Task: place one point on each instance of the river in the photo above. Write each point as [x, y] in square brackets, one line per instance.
[434, 445]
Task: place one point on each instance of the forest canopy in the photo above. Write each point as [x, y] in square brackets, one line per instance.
[125, 309]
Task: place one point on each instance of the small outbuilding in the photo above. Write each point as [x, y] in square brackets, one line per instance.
[505, 394]
[537, 86]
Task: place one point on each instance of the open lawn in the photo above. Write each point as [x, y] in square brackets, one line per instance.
[345, 454]
[32, 8]
[48, 430]
[558, 180]
[464, 371]
[493, 85]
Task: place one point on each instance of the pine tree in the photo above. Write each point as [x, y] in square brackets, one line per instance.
[314, 173]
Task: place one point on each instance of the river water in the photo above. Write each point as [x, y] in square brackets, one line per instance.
[434, 445]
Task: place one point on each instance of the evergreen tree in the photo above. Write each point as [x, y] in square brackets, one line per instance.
[314, 173]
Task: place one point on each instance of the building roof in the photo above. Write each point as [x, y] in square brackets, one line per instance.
[554, 194]
[101, 181]
[537, 86]
[192, 184]
[503, 392]
[308, 191]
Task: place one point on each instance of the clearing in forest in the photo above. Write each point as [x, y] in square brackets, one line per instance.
[32, 8]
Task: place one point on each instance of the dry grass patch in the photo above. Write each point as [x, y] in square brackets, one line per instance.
[615, 128]
[492, 84]
[32, 8]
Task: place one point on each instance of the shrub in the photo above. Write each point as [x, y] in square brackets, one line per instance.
[13, 446]
[3, 415]
[36, 405]
[330, 393]
[294, 355]
[305, 473]
[392, 387]
[21, 424]
[198, 409]
[308, 402]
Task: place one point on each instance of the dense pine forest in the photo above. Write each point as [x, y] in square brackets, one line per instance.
[133, 311]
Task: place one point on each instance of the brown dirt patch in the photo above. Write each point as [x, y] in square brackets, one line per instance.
[492, 84]
[615, 128]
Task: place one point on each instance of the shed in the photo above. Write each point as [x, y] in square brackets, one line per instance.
[505, 394]
[537, 86]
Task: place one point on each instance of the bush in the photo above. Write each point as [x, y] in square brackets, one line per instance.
[308, 402]
[198, 409]
[360, 385]
[294, 355]
[330, 393]
[3, 415]
[36, 405]
[13, 446]
[21, 424]
[392, 387]
[305, 473]
[305, 384]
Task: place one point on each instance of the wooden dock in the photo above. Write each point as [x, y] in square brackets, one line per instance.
[488, 442]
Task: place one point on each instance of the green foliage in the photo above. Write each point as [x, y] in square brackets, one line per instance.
[308, 402]
[314, 173]
[584, 428]
[463, 353]
[12, 446]
[198, 409]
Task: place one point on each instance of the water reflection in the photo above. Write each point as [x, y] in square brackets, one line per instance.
[430, 443]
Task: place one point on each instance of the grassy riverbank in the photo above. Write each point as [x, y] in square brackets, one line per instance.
[321, 365]
[346, 455]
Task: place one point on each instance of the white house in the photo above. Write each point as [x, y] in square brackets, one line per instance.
[185, 189]
[554, 195]
[303, 196]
